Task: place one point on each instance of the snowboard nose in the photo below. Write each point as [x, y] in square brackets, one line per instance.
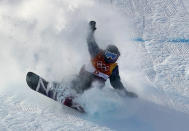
[32, 80]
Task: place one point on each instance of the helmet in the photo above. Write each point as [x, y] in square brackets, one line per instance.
[111, 54]
[113, 49]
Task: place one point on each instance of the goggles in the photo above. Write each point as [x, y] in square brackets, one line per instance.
[111, 55]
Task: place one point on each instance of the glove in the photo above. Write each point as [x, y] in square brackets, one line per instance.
[125, 93]
[131, 94]
[92, 25]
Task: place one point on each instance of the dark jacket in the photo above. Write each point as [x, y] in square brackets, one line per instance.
[94, 50]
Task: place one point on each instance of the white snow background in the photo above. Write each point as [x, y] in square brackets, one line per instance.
[49, 38]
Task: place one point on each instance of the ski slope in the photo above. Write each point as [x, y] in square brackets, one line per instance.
[48, 37]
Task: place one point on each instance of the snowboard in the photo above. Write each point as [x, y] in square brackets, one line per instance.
[38, 84]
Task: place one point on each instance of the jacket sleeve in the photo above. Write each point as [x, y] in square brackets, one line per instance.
[92, 45]
[115, 80]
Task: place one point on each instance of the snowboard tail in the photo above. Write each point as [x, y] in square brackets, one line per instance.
[36, 83]
[40, 85]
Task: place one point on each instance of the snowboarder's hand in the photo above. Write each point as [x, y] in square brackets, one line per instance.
[125, 93]
[130, 94]
[92, 25]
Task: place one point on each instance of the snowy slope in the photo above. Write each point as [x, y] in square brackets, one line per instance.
[163, 32]
[48, 37]
[18, 115]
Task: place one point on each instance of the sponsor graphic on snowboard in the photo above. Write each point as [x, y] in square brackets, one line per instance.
[36, 83]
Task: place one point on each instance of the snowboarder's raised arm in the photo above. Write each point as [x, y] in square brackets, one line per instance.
[116, 83]
[92, 45]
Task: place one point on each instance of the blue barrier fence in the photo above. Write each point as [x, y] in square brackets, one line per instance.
[179, 40]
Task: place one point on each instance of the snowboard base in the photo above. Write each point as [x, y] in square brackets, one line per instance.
[36, 83]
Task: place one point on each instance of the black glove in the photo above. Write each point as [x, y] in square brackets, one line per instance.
[125, 93]
[131, 94]
[92, 25]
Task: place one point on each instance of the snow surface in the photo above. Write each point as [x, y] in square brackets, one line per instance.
[48, 37]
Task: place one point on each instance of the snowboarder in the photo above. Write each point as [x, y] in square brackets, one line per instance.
[102, 66]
